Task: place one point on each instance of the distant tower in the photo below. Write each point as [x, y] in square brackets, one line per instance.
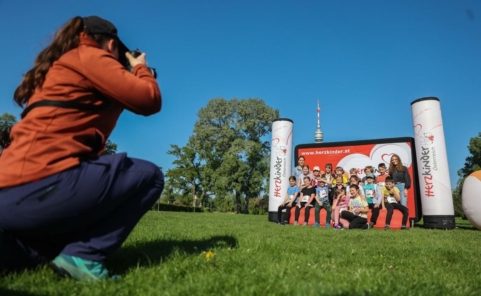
[318, 135]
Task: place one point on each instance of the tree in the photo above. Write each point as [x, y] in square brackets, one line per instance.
[6, 123]
[227, 155]
[168, 195]
[472, 164]
[187, 174]
[110, 147]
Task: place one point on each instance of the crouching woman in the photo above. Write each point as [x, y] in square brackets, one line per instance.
[62, 201]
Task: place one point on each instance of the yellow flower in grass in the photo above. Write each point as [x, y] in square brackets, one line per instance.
[208, 255]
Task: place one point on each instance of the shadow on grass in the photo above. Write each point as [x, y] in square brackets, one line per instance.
[7, 292]
[464, 225]
[153, 252]
[467, 227]
[459, 227]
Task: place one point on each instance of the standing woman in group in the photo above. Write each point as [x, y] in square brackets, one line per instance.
[301, 161]
[400, 175]
[61, 200]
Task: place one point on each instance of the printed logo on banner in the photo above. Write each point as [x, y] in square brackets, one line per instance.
[428, 159]
[280, 165]
[277, 169]
[376, 154]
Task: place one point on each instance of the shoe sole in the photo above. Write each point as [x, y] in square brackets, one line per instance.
[59, 271]
[66, 269]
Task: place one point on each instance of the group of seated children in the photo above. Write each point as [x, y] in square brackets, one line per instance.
[346, 197]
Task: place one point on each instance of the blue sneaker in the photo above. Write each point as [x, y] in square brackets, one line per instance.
[79, 269]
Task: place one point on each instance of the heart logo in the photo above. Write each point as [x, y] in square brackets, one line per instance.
[418, 128]
[386, 157]
[430, 137]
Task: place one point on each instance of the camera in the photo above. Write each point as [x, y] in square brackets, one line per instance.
[135, 53]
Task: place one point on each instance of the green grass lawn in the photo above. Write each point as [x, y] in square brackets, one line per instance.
[227, 254]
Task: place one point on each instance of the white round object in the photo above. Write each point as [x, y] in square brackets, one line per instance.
[472, 198]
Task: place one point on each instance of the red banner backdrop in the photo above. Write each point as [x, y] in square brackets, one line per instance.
[359, 154]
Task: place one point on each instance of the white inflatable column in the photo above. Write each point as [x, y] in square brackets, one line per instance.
[432, 163]
[280, 170]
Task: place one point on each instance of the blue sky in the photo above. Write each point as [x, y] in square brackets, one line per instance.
[365, 61]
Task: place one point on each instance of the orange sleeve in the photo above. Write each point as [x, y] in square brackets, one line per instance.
[137, 91]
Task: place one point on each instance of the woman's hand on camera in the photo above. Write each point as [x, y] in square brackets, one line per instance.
[134, 61]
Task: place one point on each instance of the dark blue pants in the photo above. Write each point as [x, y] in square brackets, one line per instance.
[355, 221]
[87, 211]
[390, 209]
[307, 212]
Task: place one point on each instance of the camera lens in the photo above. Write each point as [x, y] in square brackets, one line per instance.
[135, 53]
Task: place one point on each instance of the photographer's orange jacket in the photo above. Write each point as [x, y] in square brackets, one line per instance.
[52, 139]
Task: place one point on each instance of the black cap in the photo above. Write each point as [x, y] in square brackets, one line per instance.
[94, 25]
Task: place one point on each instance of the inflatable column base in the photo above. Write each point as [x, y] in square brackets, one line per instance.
[439, 222]
[272, 217]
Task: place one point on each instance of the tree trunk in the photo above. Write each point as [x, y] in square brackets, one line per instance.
[238, 204]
